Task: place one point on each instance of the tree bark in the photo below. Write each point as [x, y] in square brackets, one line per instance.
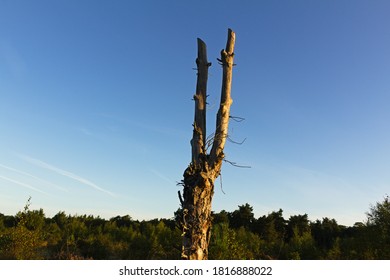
[204, 168]
[198, 141]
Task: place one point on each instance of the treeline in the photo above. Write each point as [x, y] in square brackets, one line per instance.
[235, 235]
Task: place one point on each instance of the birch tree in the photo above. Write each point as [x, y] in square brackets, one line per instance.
[205, 166]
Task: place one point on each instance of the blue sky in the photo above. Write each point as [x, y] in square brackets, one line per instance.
[96, 109]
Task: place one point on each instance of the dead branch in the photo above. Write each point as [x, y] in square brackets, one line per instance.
[235, 164]
[221, 131]
[237, 119]
[235, 142]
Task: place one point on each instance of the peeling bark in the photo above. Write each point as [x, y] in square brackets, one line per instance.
[204, 168]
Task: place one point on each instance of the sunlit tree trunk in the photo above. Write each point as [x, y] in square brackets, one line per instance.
[205, 167]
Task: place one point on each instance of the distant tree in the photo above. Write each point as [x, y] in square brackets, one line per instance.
[220, 241]
[243, 217]
[379, 215]
[300, 243]
[122, 221]
[378, 223]
[325, 233]
[25, 240]
[36, 220]
[250, 244]
[233, 244]
[274, 234]
[297, 225]
[9, 221]
[276, 219]
[260, 226]
[61, 219]
[221, 217]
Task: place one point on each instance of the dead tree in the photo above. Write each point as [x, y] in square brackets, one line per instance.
[205, 167]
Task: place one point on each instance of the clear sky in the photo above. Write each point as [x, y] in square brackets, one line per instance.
[96, 111]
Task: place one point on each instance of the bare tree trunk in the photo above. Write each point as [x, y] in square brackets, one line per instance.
[204, 168]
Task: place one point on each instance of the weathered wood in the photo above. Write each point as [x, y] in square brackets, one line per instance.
[198, 141]
[200, 175]
[223, 115]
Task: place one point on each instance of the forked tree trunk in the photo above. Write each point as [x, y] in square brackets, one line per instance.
[204, 168]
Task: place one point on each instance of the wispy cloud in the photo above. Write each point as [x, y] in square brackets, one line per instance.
[21, 184]
[34, 177]
[162, 176]
[65, 173]
[85, 131]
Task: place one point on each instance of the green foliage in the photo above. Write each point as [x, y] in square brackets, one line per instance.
[223, 244]
[236, 235]
[378, 229]
[23, 241]
[243, 217]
